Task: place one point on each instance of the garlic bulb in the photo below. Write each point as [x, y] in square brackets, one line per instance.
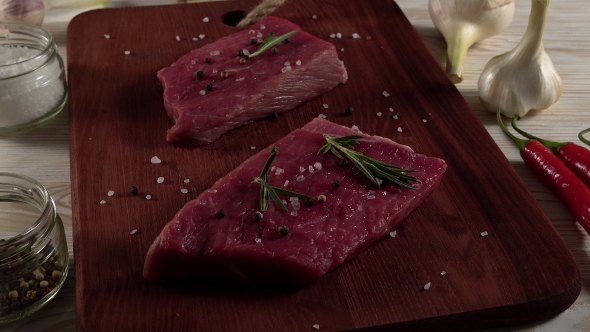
[523, 79]
[466, 22]
[33, 11]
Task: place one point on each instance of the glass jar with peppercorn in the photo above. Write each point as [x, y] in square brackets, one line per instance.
[33, 248]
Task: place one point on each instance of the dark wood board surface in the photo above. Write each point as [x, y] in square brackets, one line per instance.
[521, 271]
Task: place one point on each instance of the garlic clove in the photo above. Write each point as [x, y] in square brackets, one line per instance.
[523, 79]
[466, 22]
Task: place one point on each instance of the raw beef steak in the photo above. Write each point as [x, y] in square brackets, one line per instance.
[201, 243]
[207, 98]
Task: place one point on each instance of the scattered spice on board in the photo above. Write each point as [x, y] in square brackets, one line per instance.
[134, 191]
[110, 193]
[127, 52]
[156, 160]
[385, 94]
[184, 191]
[205, 19]
[484, 233]
[393, 234]
[443, 273]
[316, 326]
[148, 197]
[107, 36]
[103, 202]
[427, 286]
[160, 179]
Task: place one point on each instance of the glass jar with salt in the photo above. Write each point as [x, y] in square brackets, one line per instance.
[33, 85]
[33, 248]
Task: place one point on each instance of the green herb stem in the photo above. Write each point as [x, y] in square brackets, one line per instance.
[373, 169]
[270, 41]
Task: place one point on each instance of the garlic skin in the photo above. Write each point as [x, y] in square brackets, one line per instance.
[466, 22]
[523, 79]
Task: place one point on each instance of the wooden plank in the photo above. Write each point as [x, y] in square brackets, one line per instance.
[522, 271]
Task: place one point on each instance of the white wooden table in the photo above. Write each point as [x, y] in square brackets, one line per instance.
[44, 153]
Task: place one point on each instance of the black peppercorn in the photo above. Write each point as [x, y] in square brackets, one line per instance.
[344, 163]
[336, 184]
[200, 74]
[220, 214]
[274, 50]
[209, 87]
[241, 53]
[252, 41]
[309, 202]
[273, 115]
[208, 60]
[134, 191]
[348, 111]
[257, 216]
[283, 230]
[286, 41]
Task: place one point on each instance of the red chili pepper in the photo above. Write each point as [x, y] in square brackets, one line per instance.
[553, 172]
[576, 157]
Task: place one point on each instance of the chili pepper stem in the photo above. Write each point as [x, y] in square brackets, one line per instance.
[582, 138]
[552, 145]
[520, 143]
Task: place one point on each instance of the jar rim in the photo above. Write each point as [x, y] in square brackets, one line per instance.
[46, 206]
[38, 32]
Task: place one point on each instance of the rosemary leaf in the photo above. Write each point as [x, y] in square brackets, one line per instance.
[271, 41]
[272, 194]
[290, 193]
[371, 168]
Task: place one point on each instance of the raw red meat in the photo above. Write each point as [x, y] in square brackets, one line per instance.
[199, 244]
[304, 68]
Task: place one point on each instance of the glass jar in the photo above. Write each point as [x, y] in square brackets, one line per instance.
[33, 248]
[33, 85]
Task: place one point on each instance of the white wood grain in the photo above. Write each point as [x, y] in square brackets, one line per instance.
[44, 153]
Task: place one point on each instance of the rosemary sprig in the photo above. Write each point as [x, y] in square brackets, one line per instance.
[267, 191]
[271, 41]
[342, 147]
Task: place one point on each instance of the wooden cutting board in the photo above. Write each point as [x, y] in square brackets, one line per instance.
[521, 271]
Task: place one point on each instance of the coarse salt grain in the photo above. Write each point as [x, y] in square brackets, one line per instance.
[484, 233]
[310, 168]
[385, 94]
[202, 92]
[107, 36]
[103, 202]
[298, 62]
[294, 213]
[354, 127]
[156, 160]
[259, 34]
[395, 117]
[286, 183]
[371, 197]
[300, 178]
[427, 286]
[325, 105]
[423, 120]
[240, 79]
[205, 19]
[333, 35]
[314, 17]
[443, 273]
[246, 52]
[260, 40]
[273, 168]
[399, 129]
[322, 116]
[194, 39]
[393, 234]
[201, 36]
[252, 148]
[183, 190]
[356, 36]
[318, 165]
[214, 53]
[110, 193]
[127, 52]
[316, 326]
[287, 63]
[338, 35]
[391, 109]
[133, 232]
[148, 197]
[379, 181]
[187, 181]
[379, 113]
[286, 69]
[177, 37]
[342, 49]
[212, 191]
[160, 179]
[257, 240]
[301, 169]
[262, 27]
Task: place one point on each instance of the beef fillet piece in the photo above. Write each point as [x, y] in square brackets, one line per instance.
[213, 89]
[236, 246]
